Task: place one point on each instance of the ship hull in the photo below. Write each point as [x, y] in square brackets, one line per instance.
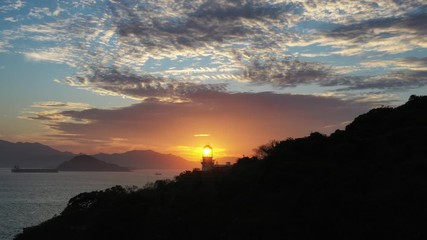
[34, 170]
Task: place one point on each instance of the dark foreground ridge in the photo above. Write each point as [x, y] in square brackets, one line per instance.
[368, 181]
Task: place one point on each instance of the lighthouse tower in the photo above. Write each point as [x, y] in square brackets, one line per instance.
[207, 158]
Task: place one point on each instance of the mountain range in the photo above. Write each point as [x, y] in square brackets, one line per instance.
[36, 155]
[31, 155]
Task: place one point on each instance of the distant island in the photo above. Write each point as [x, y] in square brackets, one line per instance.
[368, 181]
[89, 164]
[147, 159]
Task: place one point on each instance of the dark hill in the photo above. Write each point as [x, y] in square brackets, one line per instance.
[146, 159]
[88, 163]
[366, 182]
[385, 120]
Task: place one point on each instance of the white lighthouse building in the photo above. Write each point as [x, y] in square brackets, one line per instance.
[207, 158]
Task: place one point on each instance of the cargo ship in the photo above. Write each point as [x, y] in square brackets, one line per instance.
[17, 169]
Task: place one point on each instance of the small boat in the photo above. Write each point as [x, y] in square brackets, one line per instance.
[157, 173]
[17, 169]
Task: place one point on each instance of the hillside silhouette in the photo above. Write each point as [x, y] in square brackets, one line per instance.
[368, 181]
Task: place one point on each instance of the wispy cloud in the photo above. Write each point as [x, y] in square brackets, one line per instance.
[50, 112]
[348, 11]
[201, 135]
[11, 19]
[392, 81]
[61, 105]
[3, 46]
[52, 55]
[388, 35]
[51, 117]
[11, 5]
[284, 72]
[43, 12]
[412, 63]
[126, 83]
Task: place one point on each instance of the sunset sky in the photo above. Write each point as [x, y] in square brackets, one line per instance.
[173, 75]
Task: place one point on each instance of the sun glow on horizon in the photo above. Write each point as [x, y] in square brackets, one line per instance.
[196, 152]
[207, 151]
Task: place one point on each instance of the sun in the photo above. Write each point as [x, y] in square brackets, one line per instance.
[207, 151]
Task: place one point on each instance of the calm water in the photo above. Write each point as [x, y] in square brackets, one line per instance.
[27, 199]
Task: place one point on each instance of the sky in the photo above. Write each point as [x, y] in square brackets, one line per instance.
[173, 75]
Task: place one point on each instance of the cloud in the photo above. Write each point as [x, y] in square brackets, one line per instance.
[128, 33]
[412, 63]
[240, 121]
[407, 23]
[189, 25]
[349, 11]
[40, 13]
[61, 105]
[403, 74]
[125, 83]
[132, 31]
[3, 46]
[201, 135]
[11, 19]
[281, 72]
[51, 117]
[391, 81]
[388, 35]
[51, 112]
[11, 5]
[195, 71]
[285, 72]
[54, 55]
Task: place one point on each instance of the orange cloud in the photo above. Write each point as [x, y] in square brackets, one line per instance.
[236, 123]
[201, 135]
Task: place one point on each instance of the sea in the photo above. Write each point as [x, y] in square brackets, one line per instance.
[27, 199]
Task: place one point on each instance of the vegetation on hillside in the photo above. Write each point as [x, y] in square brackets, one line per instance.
[367, 181]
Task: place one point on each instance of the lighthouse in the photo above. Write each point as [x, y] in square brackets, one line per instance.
[207, 158]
